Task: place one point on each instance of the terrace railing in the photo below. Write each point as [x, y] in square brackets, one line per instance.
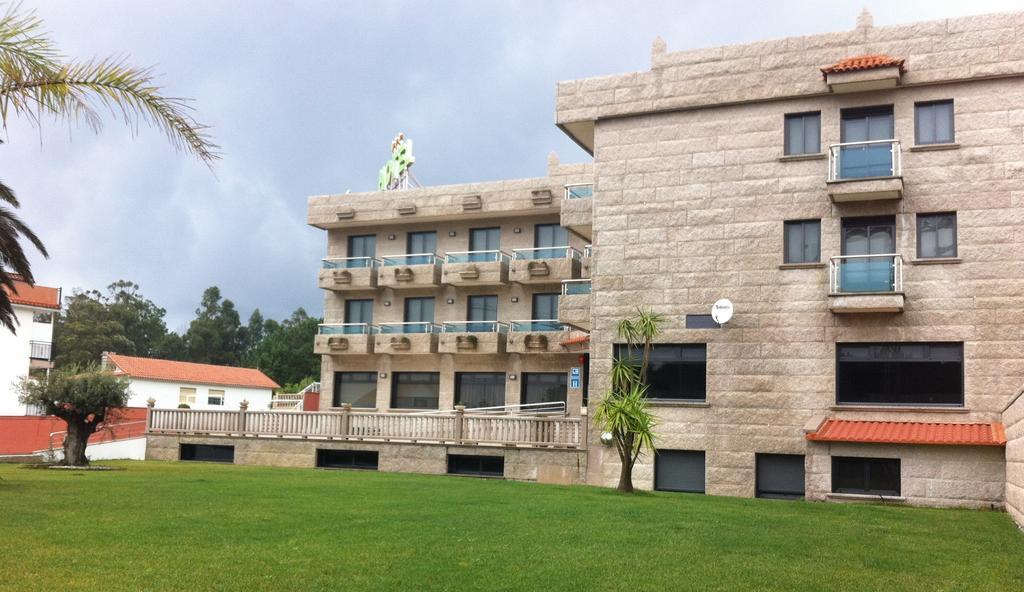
[536, 326]
[346, 329]
[573, 287]
[412, 259]
[547, 253]
[405, 328]
[864, 160]
[350, 263]
[579, 191]
[853, 274]
[493, 256]
[474, 327]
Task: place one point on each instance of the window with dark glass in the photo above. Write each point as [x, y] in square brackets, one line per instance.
[207, 453]
[358, 389]
[869, 476]
[476, 466]
[347, 459]
[550, 240]
[936, 235]
[900, 374]
[419, 312]
[867, 133]
[679, 470]
[802, 241]
[701, 321]
[362, 246]
[480, 389]
[545, 308]
[481, 313]
[780, 476]
[420, 243]
[803, 133]
[933, 122]
[358, 312]
[484, 239]
[544, 387]
[674, 371]
[415, 390]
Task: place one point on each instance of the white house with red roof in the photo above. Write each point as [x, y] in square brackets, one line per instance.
[30, 347]
[200, 386]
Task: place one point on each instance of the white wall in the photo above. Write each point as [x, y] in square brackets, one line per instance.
[14, 352]
[166, 394]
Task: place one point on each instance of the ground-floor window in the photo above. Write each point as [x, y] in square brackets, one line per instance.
[478, 466]
[415, 390]
[674, 371]
[679, 470]
[871, 476]
[207, 453]
[359, 389]
[780, 476]
[346, 459]
[215, 397]
[900, 374]
[544, 387]
[480, 389]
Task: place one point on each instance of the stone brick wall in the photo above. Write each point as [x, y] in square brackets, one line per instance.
[1013, 420]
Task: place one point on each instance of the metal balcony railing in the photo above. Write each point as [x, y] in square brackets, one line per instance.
[415, 327]
[588, 250]
[579, 191]
[864, 160]
[350, 262]
[536, 326]
[858, 274]
[413, 259]
[474, 327]
[572, 287]
[547, 253]
[347, 329]
[40, 350]
[494, 256]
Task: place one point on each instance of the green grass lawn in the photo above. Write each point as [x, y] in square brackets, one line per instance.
[177, 526]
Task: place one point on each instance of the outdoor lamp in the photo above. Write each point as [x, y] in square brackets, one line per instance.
[606, 438]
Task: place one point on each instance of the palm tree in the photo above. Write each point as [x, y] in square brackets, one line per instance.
[37, 81]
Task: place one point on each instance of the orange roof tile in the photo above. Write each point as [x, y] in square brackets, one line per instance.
[190, 372]
[864, 62]
[37, 296]
[576, 340]
[910, 432]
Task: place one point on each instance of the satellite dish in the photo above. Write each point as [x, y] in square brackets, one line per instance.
[721, 311]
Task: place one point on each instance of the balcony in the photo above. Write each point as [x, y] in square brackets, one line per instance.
[865, 171]
[421, 270]
[574, 304]
[545, 265]
[472, 337]
[335, 339]
[342, 274]
[475, 268]
[577, 212]
[865, 283]
[40, 355]
[537, 336]
[586, 268]
[406, 338]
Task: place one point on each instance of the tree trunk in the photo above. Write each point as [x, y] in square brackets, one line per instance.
[626, 476]
[75, 442]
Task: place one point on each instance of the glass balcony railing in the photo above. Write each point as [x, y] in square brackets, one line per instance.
[475, 257]
[347, 329]
[864, 160]
[536, 326]
[547, 253]
[588, 251]
[572, 287]
[475, 327]
[399, 328]
[579, 191]
[350, 263]
[414, 259]
[853, 274]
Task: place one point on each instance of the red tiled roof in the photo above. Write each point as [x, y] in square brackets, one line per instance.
[864, 62]
[576, 340]
[38, 296]
[190, 372]
[910, 432]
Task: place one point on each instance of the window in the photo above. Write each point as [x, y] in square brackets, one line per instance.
[484, 239]
[45, 318]
[780, 476]
[480, 389]
[420, 243]
[701, 321]
[933, 122]
[207, 453]
[186, 396]
[802, 241]
[414, 390]
[477, 466]
[679, 470]
[900, 374]
[358, 389]
[364, 246]
[481, 312]
[420, 311]
[936, 235]
[214, 397]
[803, 133]
[358, 313]
[871, 476]
[675, 371]
[550, 240]
[544, 387]
[545, 308]
[347, 459]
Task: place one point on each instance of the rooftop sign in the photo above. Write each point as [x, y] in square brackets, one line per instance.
[395, 173]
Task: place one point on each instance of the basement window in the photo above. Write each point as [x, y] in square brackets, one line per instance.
[347, 459]
[679, 470]
[780, 476]
[476, 466]
[207, 453]
[867, 476]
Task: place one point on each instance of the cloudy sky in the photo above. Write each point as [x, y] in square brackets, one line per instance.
[304, 98]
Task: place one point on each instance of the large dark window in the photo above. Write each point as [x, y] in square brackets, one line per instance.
[872, 476]
[357, 314]
[419, 312]
[481, 312]
[780, 476]
[866, 154]
[802, 241]
[477, 466]
[484, 239]
[545, 308]
[364, 247]
[207, 453]
[480, 389]
[550, 240]
[679, 470]
[900, 374]
[933, 122]
[414, 390]
[803, 133]
[347, 459]
[544, 387]
[420, 243]
[675, 371]
[936, 235]
[356, 388]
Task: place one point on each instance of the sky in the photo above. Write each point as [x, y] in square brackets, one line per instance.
[304, 99]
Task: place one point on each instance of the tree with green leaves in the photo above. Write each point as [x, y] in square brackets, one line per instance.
[37, 81]
[623, 412]
[286, 351]
[83, 396]
[216, 335]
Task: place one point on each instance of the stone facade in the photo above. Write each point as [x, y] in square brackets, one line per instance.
[1013, 419]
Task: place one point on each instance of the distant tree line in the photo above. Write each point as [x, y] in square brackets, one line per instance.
[122, 320]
